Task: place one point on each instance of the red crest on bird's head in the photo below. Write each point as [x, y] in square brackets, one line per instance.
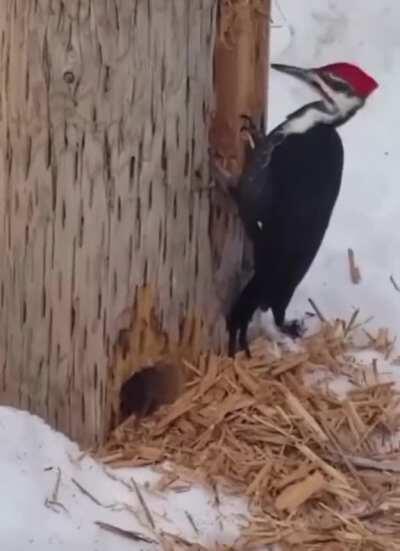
[362, 83]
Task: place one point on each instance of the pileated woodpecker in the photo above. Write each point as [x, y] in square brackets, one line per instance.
[288, 190]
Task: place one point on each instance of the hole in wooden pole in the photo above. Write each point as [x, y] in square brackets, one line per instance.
[150, 388]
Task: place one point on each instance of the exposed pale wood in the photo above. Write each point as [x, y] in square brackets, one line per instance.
[105, 107]
[355, 274]
[241, 55]
[296, 494]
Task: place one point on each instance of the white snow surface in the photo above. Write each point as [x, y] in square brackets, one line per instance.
[32, 455]
[306, 33]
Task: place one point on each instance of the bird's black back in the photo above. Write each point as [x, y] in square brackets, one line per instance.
[302, 183]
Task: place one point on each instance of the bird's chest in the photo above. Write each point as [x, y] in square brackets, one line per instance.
[301, 213]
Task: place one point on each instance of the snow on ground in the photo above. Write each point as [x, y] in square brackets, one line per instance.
[306, 33]
[31, 454]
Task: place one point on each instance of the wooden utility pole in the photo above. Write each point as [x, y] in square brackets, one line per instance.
[109, 251]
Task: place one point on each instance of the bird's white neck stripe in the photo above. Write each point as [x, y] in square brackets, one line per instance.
[306, 120]
[328, 111]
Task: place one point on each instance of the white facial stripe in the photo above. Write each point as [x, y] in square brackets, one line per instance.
[337, 107]
[343, 103]
[324, 87]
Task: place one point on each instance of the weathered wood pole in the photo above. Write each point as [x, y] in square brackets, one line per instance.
[105, 109]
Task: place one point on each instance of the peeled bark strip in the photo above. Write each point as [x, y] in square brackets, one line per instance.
[241, 57]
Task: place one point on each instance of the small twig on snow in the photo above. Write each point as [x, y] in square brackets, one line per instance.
[129, 534]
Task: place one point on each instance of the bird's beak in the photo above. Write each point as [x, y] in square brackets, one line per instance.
[306, 75]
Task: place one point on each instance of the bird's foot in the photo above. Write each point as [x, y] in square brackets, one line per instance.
[294, 329]
[223, 179]
[232, 342]
[251, 130]
[244, 344]
[234, 332]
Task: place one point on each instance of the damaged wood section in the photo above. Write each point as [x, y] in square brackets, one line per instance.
[240, 82]
[103, 144]
[145, 344]
[241, 59]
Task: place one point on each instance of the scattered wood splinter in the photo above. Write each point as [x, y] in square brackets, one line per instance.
[395, 284]
[316, 310]
[143, 503]
[129, 534]
[309, 461]
[355, 273]
[54, 504]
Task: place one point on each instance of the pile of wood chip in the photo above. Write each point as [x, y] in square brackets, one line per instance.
[321, 472]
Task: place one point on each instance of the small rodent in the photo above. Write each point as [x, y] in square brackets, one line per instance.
[148, 389]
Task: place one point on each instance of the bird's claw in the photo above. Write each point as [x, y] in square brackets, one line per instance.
[254, 134]
[249, 124]
[223, 178]
[294, 329]
[244, 345]
[234, 332]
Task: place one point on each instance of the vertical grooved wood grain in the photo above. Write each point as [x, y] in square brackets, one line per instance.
[104, 107]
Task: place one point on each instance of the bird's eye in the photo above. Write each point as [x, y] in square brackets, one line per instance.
[337, 83]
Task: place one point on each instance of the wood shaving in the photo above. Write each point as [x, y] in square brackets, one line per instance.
[318, 470]
[355, 274]
[395, 284]
[129, 534]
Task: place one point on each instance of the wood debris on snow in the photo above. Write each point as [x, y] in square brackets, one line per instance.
[395, 284]
[355, 274]
[318, 470]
